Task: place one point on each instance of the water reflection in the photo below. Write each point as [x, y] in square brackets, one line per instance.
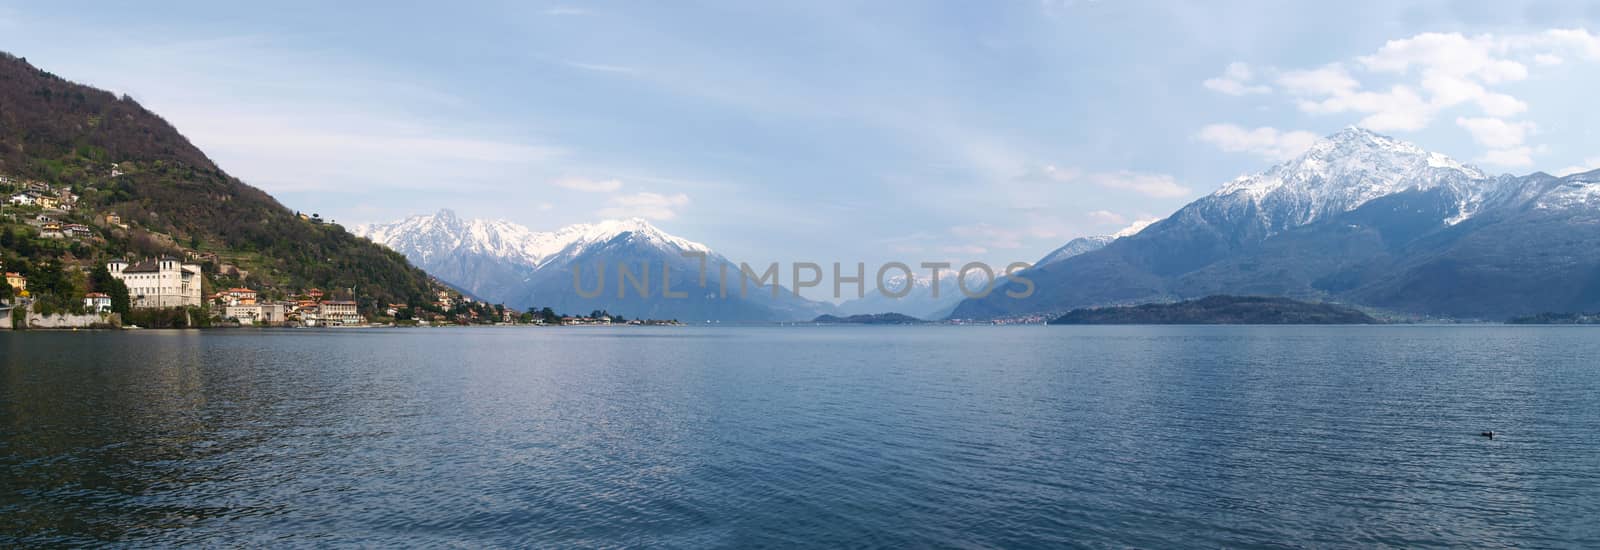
[1121, 436]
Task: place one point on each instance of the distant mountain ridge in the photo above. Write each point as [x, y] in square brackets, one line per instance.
[868, 319]
[1084, 245]
[1220, 310]
[1359, 218]
[505, 262]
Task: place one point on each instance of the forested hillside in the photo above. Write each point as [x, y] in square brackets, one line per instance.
[142, 190]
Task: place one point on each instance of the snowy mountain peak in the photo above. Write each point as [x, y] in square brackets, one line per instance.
[443, 234]
[1345, 170]
[636, 229]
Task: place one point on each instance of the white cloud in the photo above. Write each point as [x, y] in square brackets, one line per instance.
[1590, 163]
[1547, 59]
[601, 67]
[1235, 80]
[1408, 82]
[1106, 217]
[1496, 133]
[1329, 79]
[1399, 108]
[305, 154]
[1150, 185]
[1515, 156]
[990, 235]
[1555, 45]
[1449, 54]
[1159, 186]
[1266, 142]
[970, 249]
[1135, 227]
[589, 186]
[650, 206]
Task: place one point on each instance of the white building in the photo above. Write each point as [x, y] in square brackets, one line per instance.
[163, 282]
[339, 313]
[97, 302]
[256, 314]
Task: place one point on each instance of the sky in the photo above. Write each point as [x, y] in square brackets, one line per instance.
[823, 131]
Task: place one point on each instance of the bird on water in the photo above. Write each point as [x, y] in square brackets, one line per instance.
[1489, 435]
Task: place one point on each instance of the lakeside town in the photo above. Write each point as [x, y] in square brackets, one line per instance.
[49, 237]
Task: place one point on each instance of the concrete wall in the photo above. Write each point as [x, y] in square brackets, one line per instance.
[62, 320]
[5, 318]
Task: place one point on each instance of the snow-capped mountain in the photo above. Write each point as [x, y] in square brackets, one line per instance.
[1344, 171]
[443, 234]
[501, 261]
[1082, 245]
[1574, 191]
[1359, 217]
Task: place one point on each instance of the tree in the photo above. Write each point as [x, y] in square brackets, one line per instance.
[54, 288]
[5, 290]
[102, 281]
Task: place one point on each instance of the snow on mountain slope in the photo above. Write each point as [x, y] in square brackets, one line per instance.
[1346, 170]
[575, 240]
[505, 262]
[1574, 191]
[425, 238]
[1082, 245]
[1074, 247]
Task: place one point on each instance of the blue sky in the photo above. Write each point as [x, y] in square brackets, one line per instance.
[822, 131]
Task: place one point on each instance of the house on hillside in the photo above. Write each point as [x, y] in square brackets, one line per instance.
[239, 296]
[97, 302]
[17, 281]
[256, 314]
[51, 230]
[337, 313]
[160, 282]
[77, 231]
[23, 199]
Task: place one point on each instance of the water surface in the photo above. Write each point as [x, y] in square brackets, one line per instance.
[804, 436]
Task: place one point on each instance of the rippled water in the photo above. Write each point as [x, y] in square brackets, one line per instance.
[747, 437]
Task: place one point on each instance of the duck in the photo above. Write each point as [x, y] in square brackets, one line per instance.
[1489, 435]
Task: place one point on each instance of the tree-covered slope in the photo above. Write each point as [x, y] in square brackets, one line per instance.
[125, 160]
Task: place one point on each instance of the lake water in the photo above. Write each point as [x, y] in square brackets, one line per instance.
[804, 436]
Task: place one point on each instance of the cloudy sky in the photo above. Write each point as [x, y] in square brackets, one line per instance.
[822, 131]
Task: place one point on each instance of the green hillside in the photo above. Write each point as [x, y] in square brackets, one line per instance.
[122, 160]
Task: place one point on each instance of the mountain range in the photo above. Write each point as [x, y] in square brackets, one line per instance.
[1358, 218]
[504, 262]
